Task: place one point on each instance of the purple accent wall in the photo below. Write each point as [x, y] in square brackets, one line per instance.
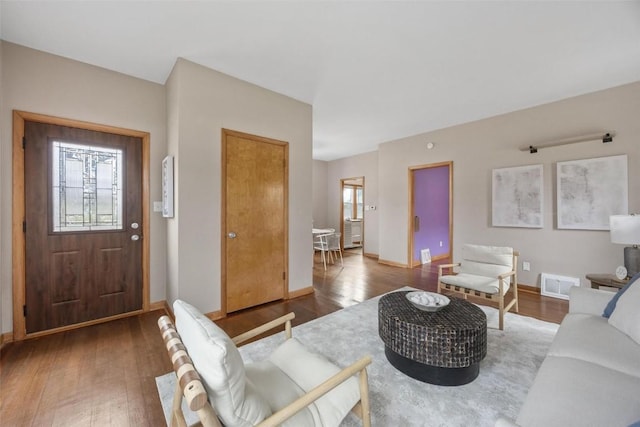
[431, 204]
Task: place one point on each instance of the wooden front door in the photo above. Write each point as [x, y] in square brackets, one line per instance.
[254, 219]
[83, 225]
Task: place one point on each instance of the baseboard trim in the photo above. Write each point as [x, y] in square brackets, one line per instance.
[216, 315]
[300, 292]
[392, 263]
[529, 289]
[370, 255]
[158, 305]
[5, 338]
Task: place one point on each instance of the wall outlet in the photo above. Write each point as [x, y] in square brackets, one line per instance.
[526, 266]
[440, 243]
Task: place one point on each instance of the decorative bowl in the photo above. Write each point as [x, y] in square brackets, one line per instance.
[427, 301]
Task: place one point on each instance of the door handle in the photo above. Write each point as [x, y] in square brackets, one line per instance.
[416, 223]
[231, 235]
[135, 237]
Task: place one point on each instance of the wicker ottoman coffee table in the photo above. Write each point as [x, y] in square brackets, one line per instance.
[444, 347]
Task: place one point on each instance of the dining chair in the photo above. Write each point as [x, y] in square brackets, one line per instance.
[335, 249]
[321, 243]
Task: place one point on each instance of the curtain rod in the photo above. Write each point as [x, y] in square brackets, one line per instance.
[600, 136]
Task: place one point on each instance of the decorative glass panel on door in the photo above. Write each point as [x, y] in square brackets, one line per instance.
[87, 185]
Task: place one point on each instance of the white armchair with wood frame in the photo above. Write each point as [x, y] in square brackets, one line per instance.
[487, 272]
[293, 387]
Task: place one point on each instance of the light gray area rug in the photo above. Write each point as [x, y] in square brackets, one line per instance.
[513, 358]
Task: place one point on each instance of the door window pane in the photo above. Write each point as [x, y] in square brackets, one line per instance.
[347, 197]
[353, 202]
[86, 187]
[360, 204]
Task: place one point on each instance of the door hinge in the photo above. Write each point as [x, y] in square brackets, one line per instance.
[24, 310]
[284, 275]
[24, 142]
[24, 226]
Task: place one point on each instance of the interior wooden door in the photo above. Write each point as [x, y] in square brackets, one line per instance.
[83, 223]
[254, 219]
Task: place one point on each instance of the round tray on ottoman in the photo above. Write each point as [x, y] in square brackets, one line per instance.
[443, 347]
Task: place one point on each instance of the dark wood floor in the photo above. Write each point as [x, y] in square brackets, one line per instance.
[105, 374]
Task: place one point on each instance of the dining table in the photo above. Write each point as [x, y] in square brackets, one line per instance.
[318, 231]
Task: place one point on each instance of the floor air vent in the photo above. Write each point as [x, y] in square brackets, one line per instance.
[556, 286]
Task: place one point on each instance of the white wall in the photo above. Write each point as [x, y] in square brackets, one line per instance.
[3, 295]
[365, 165]
[319, 193]
[41, 83]
[478, 147]
[201, 103]
[173, 241]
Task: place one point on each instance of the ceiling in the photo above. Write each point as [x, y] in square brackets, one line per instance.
[373, 71]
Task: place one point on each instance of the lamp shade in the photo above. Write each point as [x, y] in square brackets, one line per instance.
[625, 229]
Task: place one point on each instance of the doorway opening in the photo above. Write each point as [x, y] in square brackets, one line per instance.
[352, 214]
[430, 213]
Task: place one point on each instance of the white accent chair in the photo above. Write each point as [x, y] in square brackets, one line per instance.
[321, 243]
[293, 387]
[486, 272]
[334, 247]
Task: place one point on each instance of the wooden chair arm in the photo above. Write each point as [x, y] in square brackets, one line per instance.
[286, 320]
[505, 275]
[317, 392]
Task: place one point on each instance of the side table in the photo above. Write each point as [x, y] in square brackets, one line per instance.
[609, 280]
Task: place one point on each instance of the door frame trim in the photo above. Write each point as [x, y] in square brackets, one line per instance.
[18, 215]
[411, 262]
[223, 210]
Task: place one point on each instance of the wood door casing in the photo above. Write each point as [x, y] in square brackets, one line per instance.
[255, 209]
[75, 277]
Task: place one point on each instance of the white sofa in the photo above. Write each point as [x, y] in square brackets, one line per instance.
[591, 375]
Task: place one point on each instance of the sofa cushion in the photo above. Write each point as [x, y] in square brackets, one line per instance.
[608, 310]
[221, 368]
[588, 301]
[308, 370]
[592, 339]
[626, 316]
[570, 392]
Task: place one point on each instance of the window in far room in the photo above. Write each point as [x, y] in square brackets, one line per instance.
[353, 202]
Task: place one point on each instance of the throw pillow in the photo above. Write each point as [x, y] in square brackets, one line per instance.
[608, 310]
[626, 316]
